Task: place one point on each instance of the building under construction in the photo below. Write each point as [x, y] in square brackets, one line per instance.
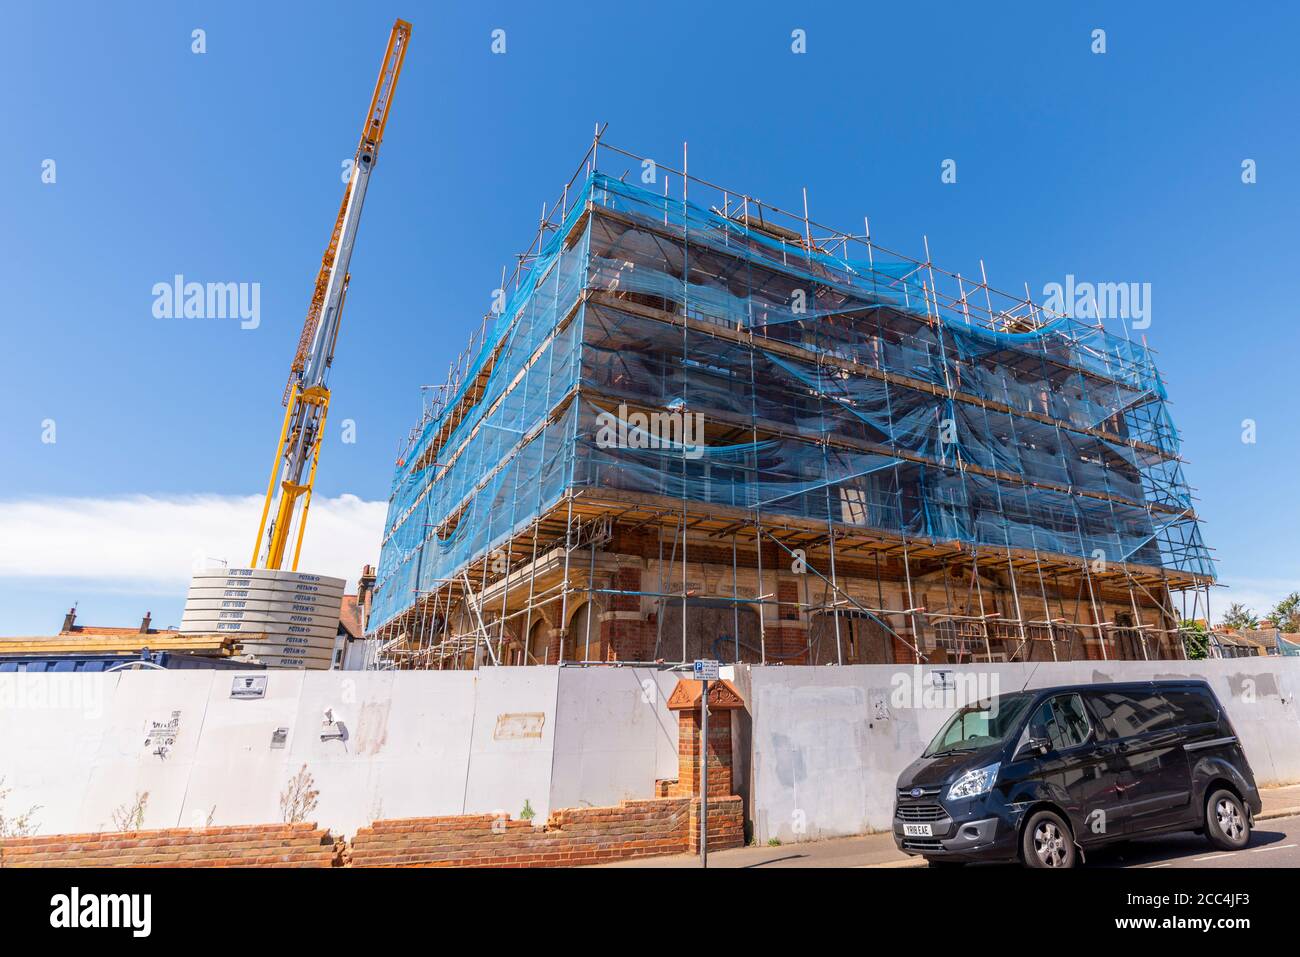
[702, 427]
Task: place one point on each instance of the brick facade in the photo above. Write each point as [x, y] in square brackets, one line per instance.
[787, 643]
[628, 639]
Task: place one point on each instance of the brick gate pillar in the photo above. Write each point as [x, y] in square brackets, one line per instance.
[726, 813]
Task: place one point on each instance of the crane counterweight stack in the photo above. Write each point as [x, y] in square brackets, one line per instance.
[306, 399]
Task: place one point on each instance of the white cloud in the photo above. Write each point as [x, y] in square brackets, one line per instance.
[147, 543]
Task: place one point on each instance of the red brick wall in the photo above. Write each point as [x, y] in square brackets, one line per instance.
[626, 580]
[688, 754]
[259, 845]
[787, 594]
[629, 640]
[903, 653]
[787, 643]
[571, 837]
[726, 823]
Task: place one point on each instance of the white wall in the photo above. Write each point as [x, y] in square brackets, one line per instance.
[417, 744]
[612, 731]
[828, 743]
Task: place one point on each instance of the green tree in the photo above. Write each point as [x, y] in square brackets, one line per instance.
[1239, 618]
[1195, 639]
[1286, 613]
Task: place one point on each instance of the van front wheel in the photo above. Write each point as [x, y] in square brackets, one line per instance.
[1047, 842]
[1226, 823]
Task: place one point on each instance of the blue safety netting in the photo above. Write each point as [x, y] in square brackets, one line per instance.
[826, 388]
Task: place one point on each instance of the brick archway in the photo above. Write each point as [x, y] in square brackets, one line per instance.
[714, 629]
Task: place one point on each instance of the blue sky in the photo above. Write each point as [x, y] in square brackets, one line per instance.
[225, 167]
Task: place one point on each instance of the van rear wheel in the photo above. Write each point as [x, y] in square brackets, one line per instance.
[1047, 842]
[1226, 823]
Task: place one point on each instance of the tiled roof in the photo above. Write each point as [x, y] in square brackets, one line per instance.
[350, 616]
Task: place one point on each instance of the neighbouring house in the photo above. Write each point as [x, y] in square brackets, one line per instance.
[79, 647]
[352, 649]
[1261, 640]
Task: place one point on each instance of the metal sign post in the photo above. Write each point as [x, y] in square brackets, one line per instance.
[704, 775]
[704, 672]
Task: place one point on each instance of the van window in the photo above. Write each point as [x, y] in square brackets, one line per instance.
[980, 725]
[1124, 714]
[1192, 707]
[1062, 721]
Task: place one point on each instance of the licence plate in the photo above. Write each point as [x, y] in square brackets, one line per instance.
[917, 830]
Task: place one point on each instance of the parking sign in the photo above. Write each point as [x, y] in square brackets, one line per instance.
[706, 670]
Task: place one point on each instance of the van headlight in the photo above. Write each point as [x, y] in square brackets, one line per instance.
[974, 783]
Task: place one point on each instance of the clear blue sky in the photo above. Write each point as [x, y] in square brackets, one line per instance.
[224, 166]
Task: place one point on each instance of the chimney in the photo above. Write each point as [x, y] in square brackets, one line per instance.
[70, 618]
[365, 594]
[144, 622]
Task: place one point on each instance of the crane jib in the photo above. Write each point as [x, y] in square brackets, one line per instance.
[321, 353]
[307, 395]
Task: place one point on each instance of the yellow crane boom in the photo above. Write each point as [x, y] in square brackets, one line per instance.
[306, 396]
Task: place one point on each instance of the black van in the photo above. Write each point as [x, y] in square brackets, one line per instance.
[1041, 776]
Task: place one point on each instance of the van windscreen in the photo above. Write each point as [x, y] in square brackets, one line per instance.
[979, 725]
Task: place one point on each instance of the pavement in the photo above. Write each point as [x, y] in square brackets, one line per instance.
[1275, 842]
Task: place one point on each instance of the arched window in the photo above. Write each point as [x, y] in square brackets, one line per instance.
[539, 641]
[862, 639]
[582, 643]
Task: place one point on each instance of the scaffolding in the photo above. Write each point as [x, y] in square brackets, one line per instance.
[781, 422]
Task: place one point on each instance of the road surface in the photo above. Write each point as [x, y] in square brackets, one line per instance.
[1273, 843]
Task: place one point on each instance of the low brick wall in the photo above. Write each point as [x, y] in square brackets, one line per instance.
[571, 837]
[263, 845]
[726, 824]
